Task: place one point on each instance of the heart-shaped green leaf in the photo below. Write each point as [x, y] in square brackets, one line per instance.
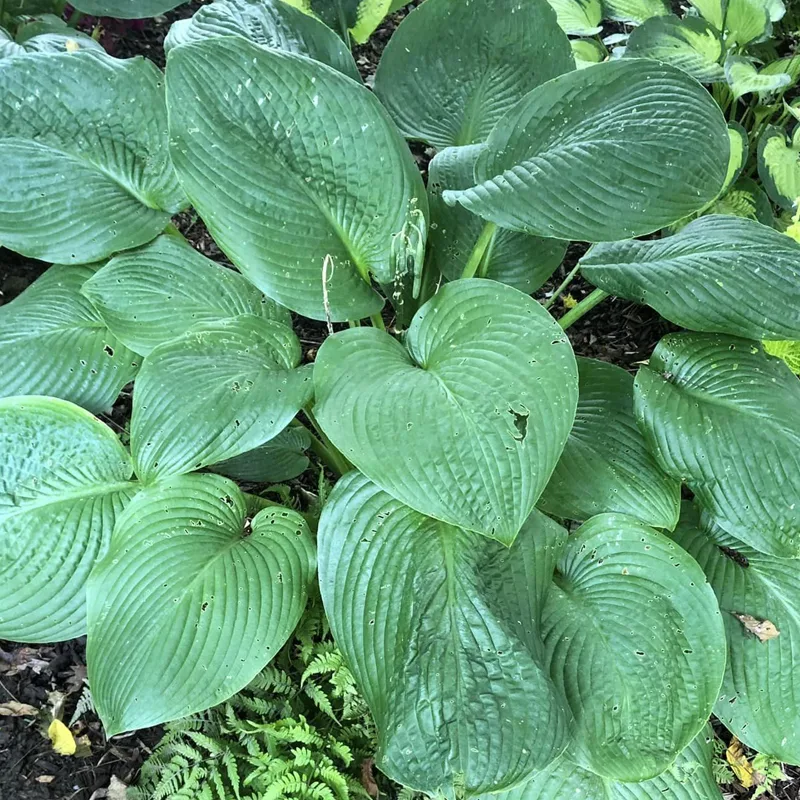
[84, 164]
[453, 69]
[219, 390]
[304, 181]
[278, 460]
[65, 480]
[722, 416]
[192, 600]
[428, 616]
[615, 150]
[634, 12]
[746, 21]
[356, 18]
[779, 166]
[126, 9]
[578, 17]
[605, 465]
[467, 421]
[744, 78]
[718, 274]
[740, 150]
[630, 622]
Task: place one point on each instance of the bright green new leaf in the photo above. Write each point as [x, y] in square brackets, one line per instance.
[779, 166]
[789, 66]
[786, 351]
[65, 480]
[464, 423]
[635, 640]
[690, 44]
[588, 52]
[634, 12]
[126, 9]
[739, 151]
[721, 415]
[84, 164]
[441, 630]
[759, 701]
[270, 23]
[192, 600]
[743, 77]
[619, 149]
[718, 274]
[578, 17]
[157, 293]
[453, 69]
[303, 181]
[747, 21]
[745, 199]
[605, 465]
[711, 10]
[522, 261]
[53, 342]
[278, 460]
[221, 389]
[356, 18]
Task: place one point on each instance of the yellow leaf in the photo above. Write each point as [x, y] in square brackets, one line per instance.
[15, 709]
[72, 46]
[739, 762]
[61, 736]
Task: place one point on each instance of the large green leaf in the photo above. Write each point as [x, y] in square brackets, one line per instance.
[722, 416]
[718, 274]
[453, 69]
[126, 9]
[578, 17]
[84, 162]
[614, 150]
[270, 23]
[746, 20]
[62, 38]
[522, 261]
[156, 293]
[635, 640]
[605, 465]
[191, 601]
[219, 390]
[466, 422]
[356, 18]
[779, 166]
[744, 78]
[441, 629]
[279, 459]
[634, 12]
[65, 480]
[760, 698]
[304, 169]
[53, 342]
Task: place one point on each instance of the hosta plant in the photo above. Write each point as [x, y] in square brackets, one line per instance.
[504, 560]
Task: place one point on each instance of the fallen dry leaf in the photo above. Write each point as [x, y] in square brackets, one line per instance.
[61, 736]
[740, 763]
[368, 778]
[15, 709]
[762, 628]
[45, 779]
[117, 790]
[24, 658]
[76, 679]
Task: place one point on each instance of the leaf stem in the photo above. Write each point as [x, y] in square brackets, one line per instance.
[324, 448]
[475, 257]
[584, 307]
[563, 285]
[377, 321]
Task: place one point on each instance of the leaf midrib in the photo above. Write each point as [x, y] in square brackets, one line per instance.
[51, 500]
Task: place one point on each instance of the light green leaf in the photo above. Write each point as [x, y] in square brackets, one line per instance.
[579, 17]
[615, 150]
[84, 166]
[779, 166]
[192, 600]
[759, 701]
[787, 66]
[788, 352]
[718, 274]
[747, 20]
[464, 423]
[743, 77]
[634, 12]
[154, 294]
[522, 261]
[588, 52]
[221, 389]
[745, 199]
[65, 480]
[453, 69]
[721, 415]
[631, 621]
[739, 151]
[711, 10]
[359, 18]
[690, 44]
[8, 47]
[270, 23]
[314, 171]
[605, 465]
[428, 616]
[126, 9]
[278, 460]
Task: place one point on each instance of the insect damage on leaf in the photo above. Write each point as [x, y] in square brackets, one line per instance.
[762, 628]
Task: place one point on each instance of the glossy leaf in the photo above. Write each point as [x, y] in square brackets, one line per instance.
[191, 601]
[356, 18]
[779, 166]
[744, 78]
[65, 480]
[278, 460]
[84, 166]
[588, 52]
[615, 150]
[428, 616]
[634, 12]
[453, 69]
[718, 274]
[746, 21]
[789, 352]
[126, 9]
[578, 17]
[721, 415]
[465, 422]
[313, 172]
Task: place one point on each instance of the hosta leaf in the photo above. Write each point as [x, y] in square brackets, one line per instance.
[271, 23]
[465, 422]
[244, 391]
[428, 617]
[53, 342]
[788, 66]
[779, 166]
[721, 415]
[156, 293]
[743, 77]
[359, 18]
[788, 352]
[745, 199]
[740, 150]
[631, 621]
[126, 9]
[452, 70]
[8, 47]
[522, 261]
[65, 480]
[759, 701]
[279, 459]
[634, 12]
[578, 17]
[690, 44]
[719, 274]
[588, 52]
[191, 601]
[746, 20]
[72, 42]
[84, 165]
[615, 150]
[605, 465]
[313, 171]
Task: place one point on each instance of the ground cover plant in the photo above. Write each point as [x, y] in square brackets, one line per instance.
[542, 574]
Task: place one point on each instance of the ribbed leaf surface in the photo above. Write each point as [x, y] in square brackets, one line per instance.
[634, 12]
[779, 166]
[358, 18]
[278, 460]
[126, 9]
[579, 17]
